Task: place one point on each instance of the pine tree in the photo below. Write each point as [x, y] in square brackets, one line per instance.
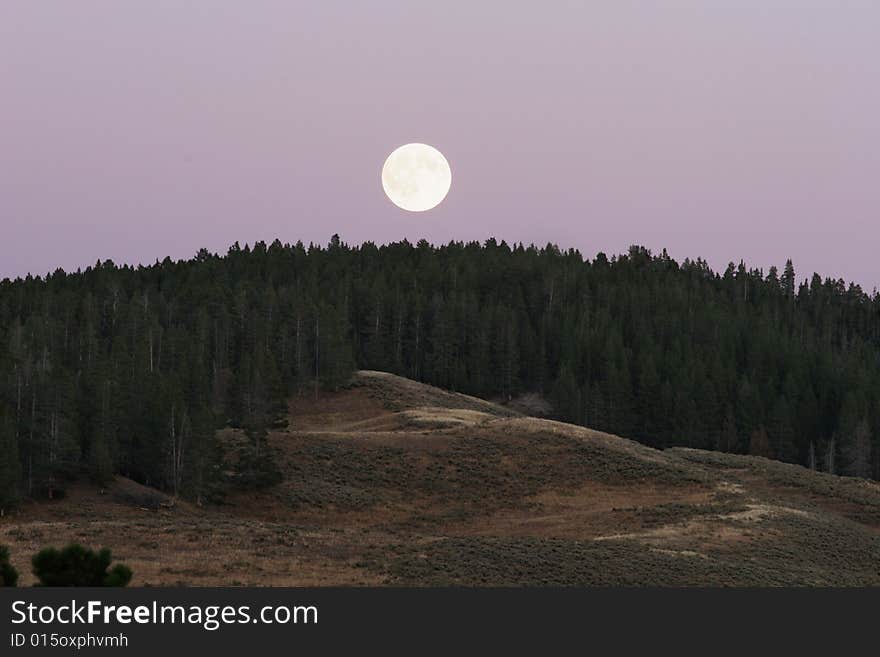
[10, 468]
[8, 573]
[729, 439]
[788, 280]
[781, 434]
[100, 459]
[566, 396]
[759, 443]
[75, 565]
[858, 451]
[831, 456]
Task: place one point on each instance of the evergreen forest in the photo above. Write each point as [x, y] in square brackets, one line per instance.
[133, 370]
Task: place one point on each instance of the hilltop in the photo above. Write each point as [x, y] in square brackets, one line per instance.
[392, 482]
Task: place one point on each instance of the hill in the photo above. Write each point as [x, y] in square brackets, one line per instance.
[388, 481]
[110, 370]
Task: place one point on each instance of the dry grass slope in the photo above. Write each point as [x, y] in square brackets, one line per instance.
[393, 482]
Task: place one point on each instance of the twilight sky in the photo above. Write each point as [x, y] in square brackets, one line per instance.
[726, 129]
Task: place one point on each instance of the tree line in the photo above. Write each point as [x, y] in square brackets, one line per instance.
[133, 370]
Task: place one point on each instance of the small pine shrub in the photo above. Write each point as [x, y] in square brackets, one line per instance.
[75, 565]
[8, 574]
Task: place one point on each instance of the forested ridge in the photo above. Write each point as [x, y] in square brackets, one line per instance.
[132, 370]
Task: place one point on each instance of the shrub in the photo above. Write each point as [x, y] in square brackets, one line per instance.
[8, 574]
[78, 566]
[253, 472]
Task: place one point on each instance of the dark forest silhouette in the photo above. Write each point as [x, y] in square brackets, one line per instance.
[132, 370]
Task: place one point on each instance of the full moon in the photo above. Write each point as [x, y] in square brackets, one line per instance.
[416, 177]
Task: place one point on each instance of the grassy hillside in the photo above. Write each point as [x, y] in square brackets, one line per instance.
[393, 482]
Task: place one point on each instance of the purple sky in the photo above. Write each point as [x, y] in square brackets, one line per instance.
[725, 129]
